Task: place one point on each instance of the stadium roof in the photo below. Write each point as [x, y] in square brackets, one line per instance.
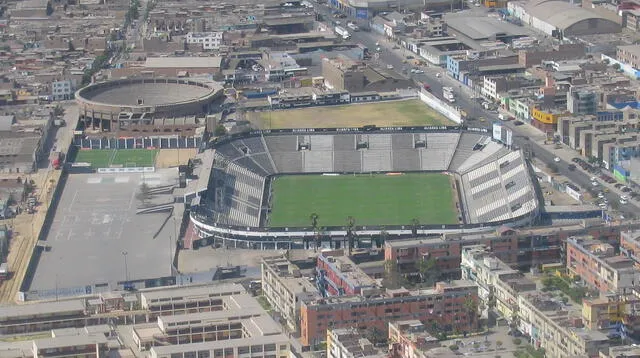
[560, 14]
[483, 27]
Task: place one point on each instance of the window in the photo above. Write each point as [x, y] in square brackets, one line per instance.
[256, 349]
[243, 350]
[269, 347]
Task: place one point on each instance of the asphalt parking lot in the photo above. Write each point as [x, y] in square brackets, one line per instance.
[95, 230]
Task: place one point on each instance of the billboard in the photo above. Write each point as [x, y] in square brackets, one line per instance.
[497, 131]
[502, 134]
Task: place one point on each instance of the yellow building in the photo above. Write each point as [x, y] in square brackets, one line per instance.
[605, 312]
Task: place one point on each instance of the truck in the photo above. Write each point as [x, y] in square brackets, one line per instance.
[342, 32]
[56, 160]
[447, 93]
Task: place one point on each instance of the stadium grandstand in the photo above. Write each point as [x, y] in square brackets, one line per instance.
[493, 184]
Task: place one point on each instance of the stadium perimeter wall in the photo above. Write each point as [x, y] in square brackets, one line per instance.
[441, 107]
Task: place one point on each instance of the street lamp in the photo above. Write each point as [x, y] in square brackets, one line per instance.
[126, 268]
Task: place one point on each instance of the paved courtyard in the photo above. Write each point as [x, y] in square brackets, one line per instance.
[96, 229]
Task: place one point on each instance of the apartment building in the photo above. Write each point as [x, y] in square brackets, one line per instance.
[339, 276]
[78, 346]
[349, 343]
[182, 300]
[444, 305]
[208, 40]
[617, 314]
[582, 100]
[342, 73]
[630, 245]
[523, 249]
[597, 264]
[63, 90]
[550, 324]
[557, 328]
[240, 327]
[42, 316]
[629, 54]
[410, 339]
[498, 284]
[286, 288]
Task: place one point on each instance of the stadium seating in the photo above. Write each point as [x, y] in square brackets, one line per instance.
[344, 143]
[376, 160]
[406, 159]
[494, 180]
[464, 148]
[402, 141]
[439, 150]
[347, 161]
[499, 189]
[317, 161]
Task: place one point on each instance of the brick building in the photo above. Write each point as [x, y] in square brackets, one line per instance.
[444, 306]
[339, 276]
[597, 264]
[521, 249]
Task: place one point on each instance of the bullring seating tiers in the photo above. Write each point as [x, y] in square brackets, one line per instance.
[494, 180]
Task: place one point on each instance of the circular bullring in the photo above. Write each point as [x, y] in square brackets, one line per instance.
[156, 97]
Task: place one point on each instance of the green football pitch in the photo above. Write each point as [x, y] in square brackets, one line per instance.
[370, 199]
[105, 158]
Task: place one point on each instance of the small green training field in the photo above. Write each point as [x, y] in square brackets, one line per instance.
[106, 158]
[371, 199]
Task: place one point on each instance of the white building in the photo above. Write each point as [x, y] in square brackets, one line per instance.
[208, 40]
[63, 90]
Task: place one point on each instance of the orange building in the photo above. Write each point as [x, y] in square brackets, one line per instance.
[442, 306]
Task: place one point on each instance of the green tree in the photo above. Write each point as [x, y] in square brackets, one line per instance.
[49, 8]
[616, 66]
[415, 223]
[392, 278]
[71, 47]
[351, 224]
[382, 237]
[471, 307]
[499, 344]
[428, 271]
[219, 131]
[314, 226]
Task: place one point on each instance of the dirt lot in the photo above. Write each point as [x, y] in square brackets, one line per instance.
[411, 112]
[173, 157]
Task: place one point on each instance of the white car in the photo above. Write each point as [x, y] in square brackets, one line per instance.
[593, 179]
[601, 195]
[622, 201]
[556, 159]
[419, 72]
[602, 205]
[594, 183]
[624, 197]
[390, 67]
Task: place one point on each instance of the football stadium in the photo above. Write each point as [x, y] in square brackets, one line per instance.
[279, 188]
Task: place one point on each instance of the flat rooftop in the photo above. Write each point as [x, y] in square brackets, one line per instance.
[94, 224]
[183, 62]
[484, 27]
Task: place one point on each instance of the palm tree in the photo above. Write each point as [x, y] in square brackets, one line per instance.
[351, 224]
[471, 306]
[314, 226]
[414, 226]
[382, 237]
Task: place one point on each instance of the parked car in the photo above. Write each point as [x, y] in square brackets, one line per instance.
[571, 167]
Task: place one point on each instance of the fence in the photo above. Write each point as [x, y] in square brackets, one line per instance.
[172, 142]
[440, 106]
[126, 170]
